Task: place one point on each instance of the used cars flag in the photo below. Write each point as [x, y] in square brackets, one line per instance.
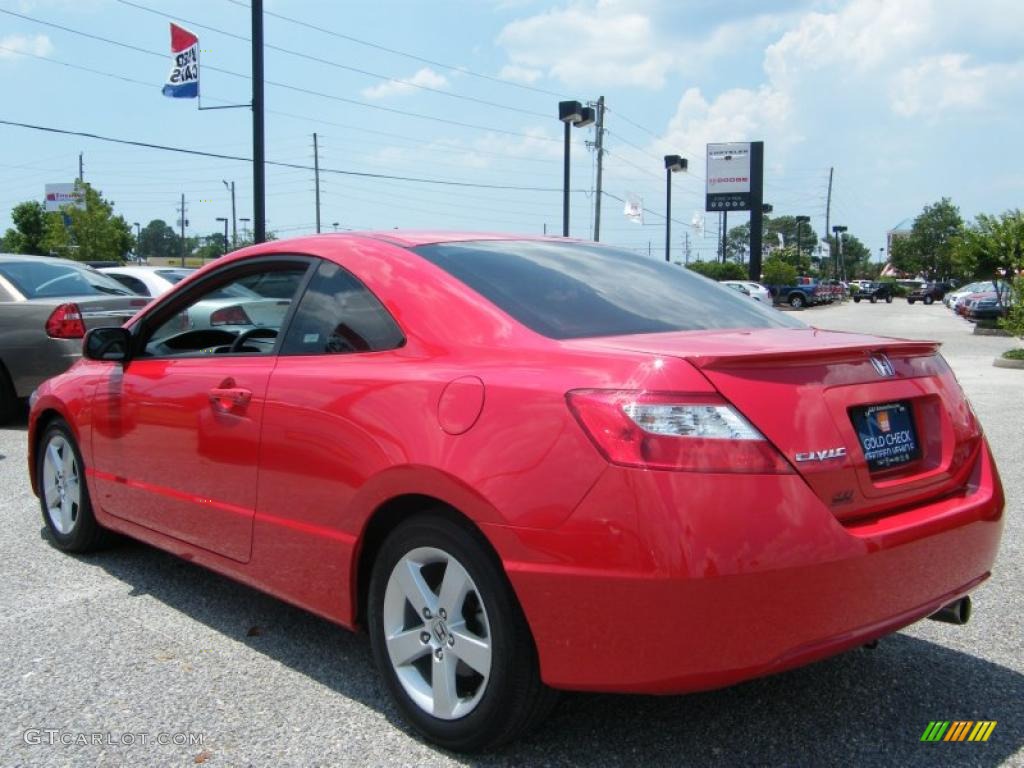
[183, 79]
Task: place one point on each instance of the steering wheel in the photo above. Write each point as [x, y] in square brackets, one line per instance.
[252, 333]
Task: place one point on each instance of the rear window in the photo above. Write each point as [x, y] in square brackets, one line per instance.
[577, 290]
[43, 279]
[174, 275]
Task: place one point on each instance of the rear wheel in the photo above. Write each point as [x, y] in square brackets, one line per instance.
[8, 397]
[911, 301]
[63, 495]
[874, 299]
[856, 299]
[797, 300]
[450, 639]
[929, 299]
[888, 299]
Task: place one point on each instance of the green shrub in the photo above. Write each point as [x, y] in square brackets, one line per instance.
[730, 270]
[1014, 321]
[775, 271]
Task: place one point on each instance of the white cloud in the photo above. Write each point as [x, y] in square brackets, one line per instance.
[936, 84]
[425, 77]
[519, 74]
[607, 43]
[39, 45]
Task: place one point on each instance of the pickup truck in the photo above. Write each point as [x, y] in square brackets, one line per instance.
[807, 292]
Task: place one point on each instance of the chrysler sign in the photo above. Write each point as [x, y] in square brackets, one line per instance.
[728, 177]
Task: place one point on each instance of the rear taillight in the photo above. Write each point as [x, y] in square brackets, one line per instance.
[65, 322]
[677, 431]
[233, 315]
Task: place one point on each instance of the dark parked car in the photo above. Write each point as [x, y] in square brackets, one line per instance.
[46, 306]
[874, 292]
[929, 293]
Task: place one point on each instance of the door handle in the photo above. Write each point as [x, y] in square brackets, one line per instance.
[230, 398]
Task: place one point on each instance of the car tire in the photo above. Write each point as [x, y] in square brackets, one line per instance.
[8, 397]
[929, 300]
[856, 299]
[797, 301]
[911, 301]
[495, 693]
[874, 299]
[888, 299]
[63, 493]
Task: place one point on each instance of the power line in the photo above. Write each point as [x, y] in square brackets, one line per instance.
[338, 65]
[240, 158]
[286, 86]
[395, 51]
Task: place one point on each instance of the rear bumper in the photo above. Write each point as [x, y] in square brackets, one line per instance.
[704, 592]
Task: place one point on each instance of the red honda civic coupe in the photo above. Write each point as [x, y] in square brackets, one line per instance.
[491, 452]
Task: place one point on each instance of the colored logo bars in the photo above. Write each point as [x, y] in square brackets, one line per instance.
[958, 730]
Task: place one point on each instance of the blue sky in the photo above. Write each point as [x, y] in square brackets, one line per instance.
[909, 101]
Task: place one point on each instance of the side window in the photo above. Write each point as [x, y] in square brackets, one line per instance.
[338, 315]
[228, 317]
[132, 284]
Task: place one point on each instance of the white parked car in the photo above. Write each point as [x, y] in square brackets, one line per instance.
[754, 290]
[148, 281]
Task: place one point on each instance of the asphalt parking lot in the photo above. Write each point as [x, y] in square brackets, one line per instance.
[133, 644]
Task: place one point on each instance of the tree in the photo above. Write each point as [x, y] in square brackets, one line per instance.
[992, 246]
[92, 233]
[777, 271]
[158, 240]
[207, 248]
[30, 222]
[928, 249]
[737, 243]
[855, 253]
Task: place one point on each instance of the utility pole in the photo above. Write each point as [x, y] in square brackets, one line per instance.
[259, 203]
[756, 209]
[599, 146]
[81, 168]
[316, 179]
[686, 248]
[828, 207]
[182, 221]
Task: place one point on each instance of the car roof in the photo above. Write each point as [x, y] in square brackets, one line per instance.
[143, 269]
[13, 258]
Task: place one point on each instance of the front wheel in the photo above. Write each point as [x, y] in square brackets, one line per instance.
[63, 495]
[911, 301]
[874, 299]
[450, 639]
[929, 299]
[888, 299]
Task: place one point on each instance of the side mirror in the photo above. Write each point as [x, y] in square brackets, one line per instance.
[107, 344]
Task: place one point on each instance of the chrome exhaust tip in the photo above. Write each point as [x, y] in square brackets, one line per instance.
[957, 612]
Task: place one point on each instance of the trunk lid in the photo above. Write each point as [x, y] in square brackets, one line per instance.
[807, 391]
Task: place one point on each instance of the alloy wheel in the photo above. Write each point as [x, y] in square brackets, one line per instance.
[62, 489]
[437, 633]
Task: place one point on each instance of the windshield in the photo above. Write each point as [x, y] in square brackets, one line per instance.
[45, 279]
[576, 290]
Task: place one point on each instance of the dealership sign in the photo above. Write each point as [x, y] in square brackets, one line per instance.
[728, 177]
[56, 196]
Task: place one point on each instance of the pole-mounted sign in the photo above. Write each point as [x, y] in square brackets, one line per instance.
[728, 177]
[183, 79]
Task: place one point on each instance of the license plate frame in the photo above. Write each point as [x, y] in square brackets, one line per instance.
[886, 434]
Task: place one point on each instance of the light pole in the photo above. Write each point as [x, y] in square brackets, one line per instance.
[335, 224]
[138, 237]
[225, 220]
[800, 221]
[673, 164]
[245, 228]
[839, 229]
[234, 221]
[570, 113]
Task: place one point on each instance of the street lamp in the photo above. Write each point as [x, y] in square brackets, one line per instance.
[138, 236]
[800, 221]
[838, 229]
[221, 218]
[673, 164]
[571, 113]
[245, 229]
[335, 224]
[234, 224]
